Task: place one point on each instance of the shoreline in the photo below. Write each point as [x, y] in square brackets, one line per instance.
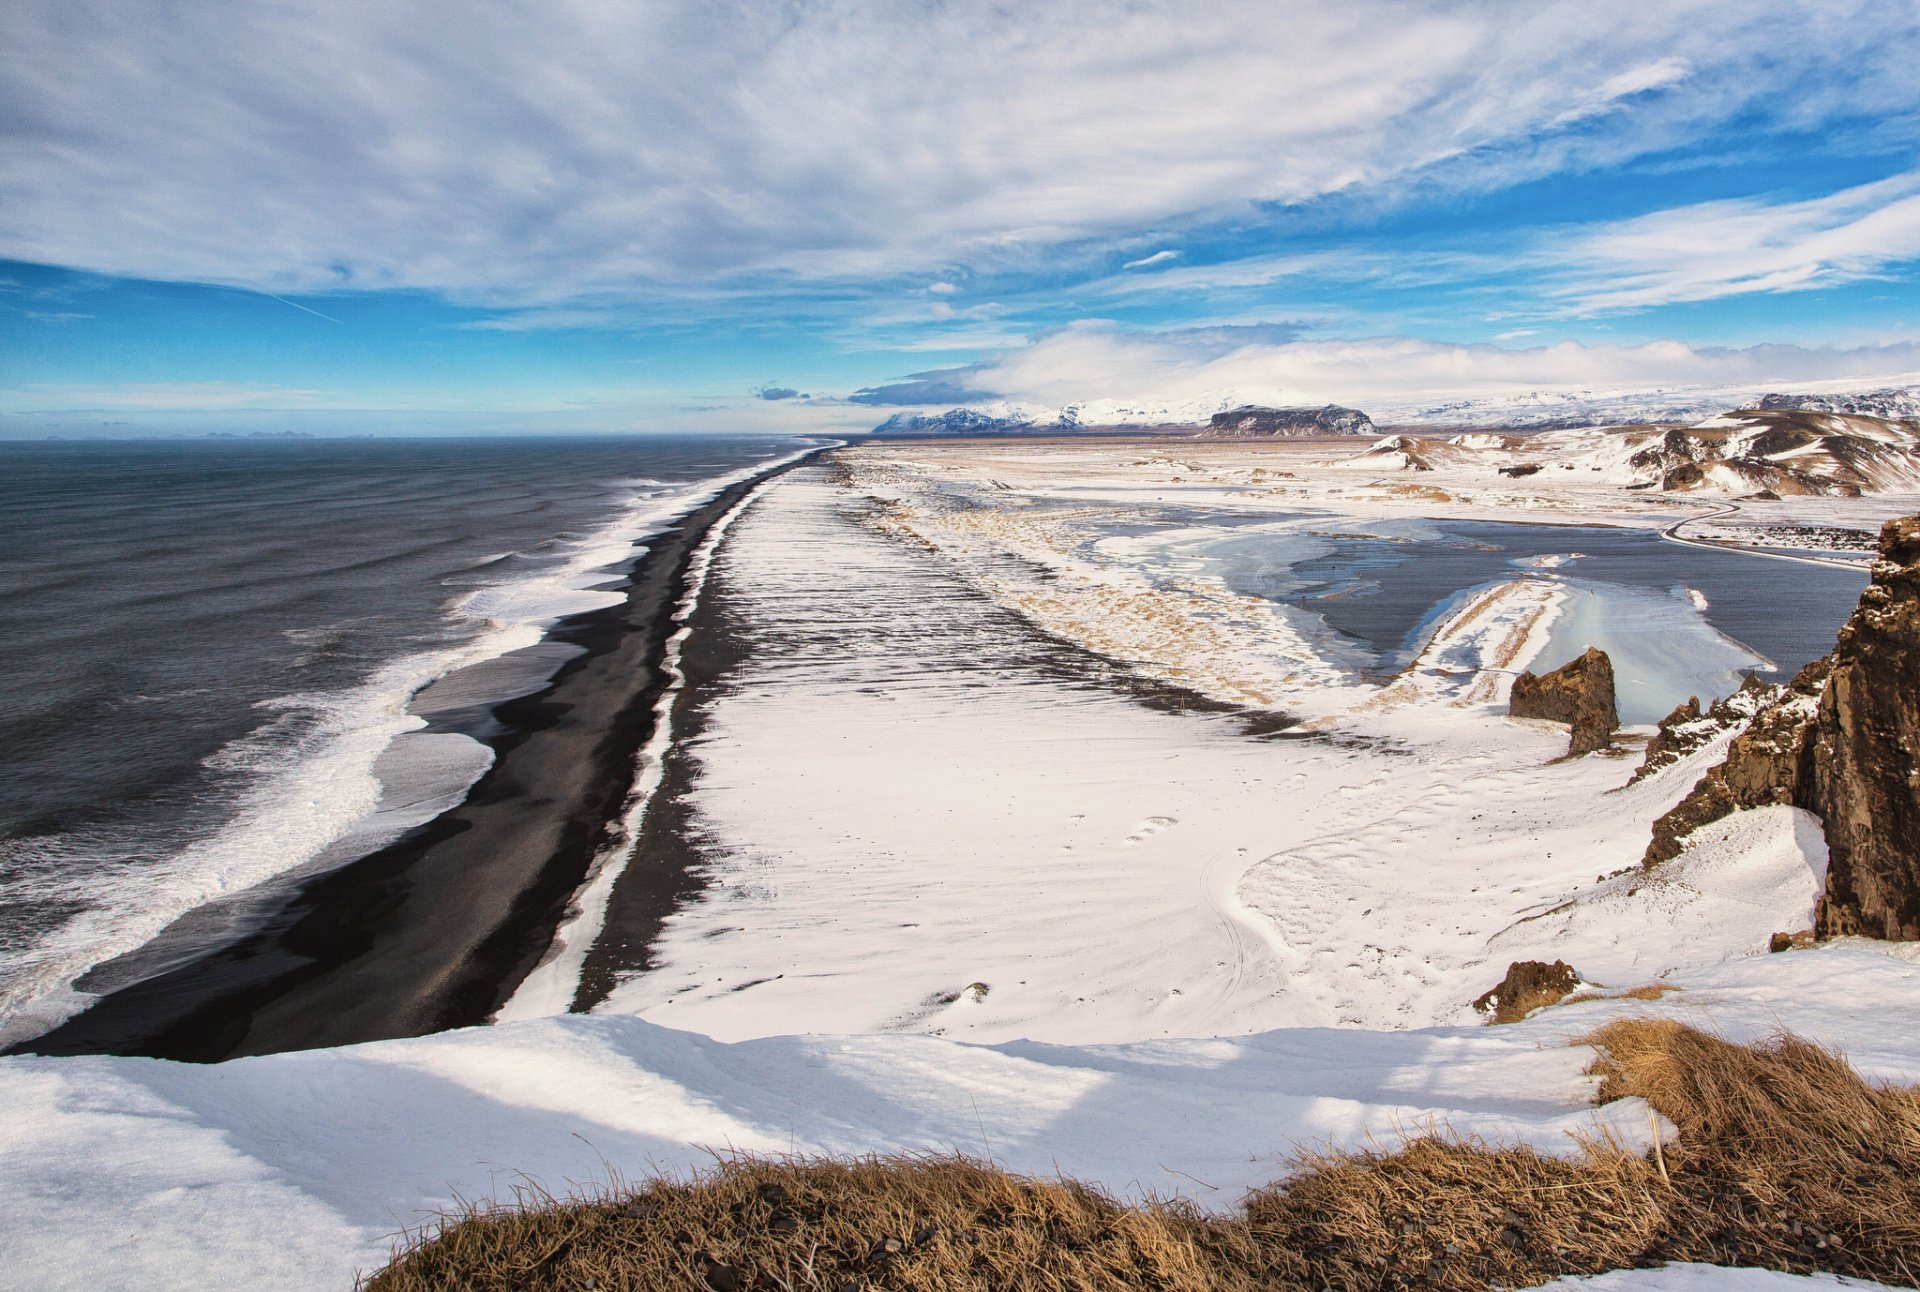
[437, 929]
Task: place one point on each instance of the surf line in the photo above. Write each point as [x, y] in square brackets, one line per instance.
[552, 985]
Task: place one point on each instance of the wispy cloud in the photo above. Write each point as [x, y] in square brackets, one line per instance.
[1716, 249]
[545, 152]
[165, 396]
[543, 320]
[1157, 258]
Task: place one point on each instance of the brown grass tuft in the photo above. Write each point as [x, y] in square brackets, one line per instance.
[1443, 1214]
[1786, 1160]
[907, 1223]
[1646, 991]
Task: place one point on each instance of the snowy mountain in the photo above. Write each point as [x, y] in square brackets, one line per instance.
[1227, 411]
[1539, 409]
[1892, 403]
[1779, 451]
[1253, 421]
[1000, 418]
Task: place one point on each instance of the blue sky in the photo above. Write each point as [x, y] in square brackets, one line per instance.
[569, 214]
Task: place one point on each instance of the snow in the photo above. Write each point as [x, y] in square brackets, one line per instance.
[964, 890]
[295, 1170]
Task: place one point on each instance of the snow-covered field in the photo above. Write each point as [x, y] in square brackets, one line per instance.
[293, 1171]
[966, 889]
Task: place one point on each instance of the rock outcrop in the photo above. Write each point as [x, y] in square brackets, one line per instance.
[1766, 765]
[1843, 742]
[1865, 770]
[1687, 729]
[1529, 984]
[1250, 420]
[1579, 694]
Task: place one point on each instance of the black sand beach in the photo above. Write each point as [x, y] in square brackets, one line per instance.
[437, 929]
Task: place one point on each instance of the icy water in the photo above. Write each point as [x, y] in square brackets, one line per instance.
[1677, 620]
[210, 653]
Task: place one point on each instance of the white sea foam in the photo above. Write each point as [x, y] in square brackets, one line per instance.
[551, 987]
[332, 775]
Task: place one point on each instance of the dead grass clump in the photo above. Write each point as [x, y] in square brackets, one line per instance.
[905, 1223]
[1785, 1159]
[1442, 1214]
[1646, 991]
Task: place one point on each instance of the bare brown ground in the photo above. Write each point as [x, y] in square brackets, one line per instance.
[1785, 1159]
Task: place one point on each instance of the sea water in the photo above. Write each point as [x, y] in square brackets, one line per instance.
[217, 656]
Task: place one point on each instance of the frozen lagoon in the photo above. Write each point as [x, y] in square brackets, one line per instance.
[1676, 620]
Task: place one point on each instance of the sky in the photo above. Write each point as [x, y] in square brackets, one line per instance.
[808, 215]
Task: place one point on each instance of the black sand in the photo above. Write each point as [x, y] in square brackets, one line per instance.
[436, 930]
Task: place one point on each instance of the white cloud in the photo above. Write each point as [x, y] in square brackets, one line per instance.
[544, 320]
[1394, 376]
[542, 151]
[163, 396]
[1728, 248]
[1157, 258]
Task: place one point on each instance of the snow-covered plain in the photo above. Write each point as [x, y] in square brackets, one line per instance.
[966, 888]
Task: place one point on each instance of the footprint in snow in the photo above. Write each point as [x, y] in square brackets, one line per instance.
[1148, 828]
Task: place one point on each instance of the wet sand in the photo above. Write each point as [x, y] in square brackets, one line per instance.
[437, 929]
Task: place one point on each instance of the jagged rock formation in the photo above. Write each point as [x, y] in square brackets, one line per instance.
[1687, 729]
[1579, 694]
[1251, 420]
[1764, 767]
[1843, 742]
[1529, 984]
[1866, 753]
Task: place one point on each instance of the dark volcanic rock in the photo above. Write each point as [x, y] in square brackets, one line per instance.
[1842, 742]
[1529, 984]
[1865, 776]
[1687, 728]
[1579, 694]
[1765, 765]
[1252, 420]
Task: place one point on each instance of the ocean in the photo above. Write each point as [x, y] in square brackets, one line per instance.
[220, 658]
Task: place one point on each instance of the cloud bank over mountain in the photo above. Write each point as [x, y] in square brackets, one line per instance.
[1400, 376]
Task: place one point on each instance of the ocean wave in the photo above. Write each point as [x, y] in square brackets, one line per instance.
[325, 776]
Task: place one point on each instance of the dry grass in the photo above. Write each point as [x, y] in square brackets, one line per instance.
[1646, 991]
[907, 1223]
[1442, 1214]
[1785, 1159]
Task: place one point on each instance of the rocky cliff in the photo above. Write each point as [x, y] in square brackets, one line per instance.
[1843, 742]
[1579, 694]
[1250, 421]
[1865, 772]
[1766, 765]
